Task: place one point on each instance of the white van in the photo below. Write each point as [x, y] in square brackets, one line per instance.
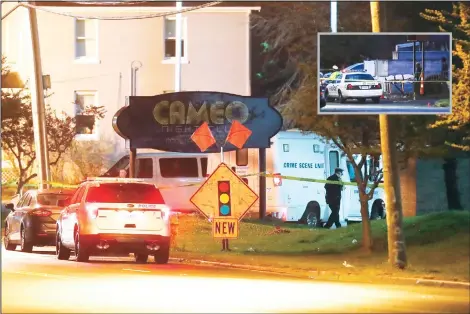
[297, 154]
[178, 175]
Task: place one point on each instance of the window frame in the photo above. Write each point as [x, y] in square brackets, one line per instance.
[86, 59]
[95, 135]
[338, 156]
[178, 177]
[184, 38]
[139, 166]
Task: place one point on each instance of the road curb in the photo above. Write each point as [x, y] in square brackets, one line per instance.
[328, 275]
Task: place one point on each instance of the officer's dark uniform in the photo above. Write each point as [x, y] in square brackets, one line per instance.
[333, 199]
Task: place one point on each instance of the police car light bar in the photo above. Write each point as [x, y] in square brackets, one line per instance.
[101, 179]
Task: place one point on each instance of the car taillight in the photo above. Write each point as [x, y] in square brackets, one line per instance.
[378, 86]
[349, 86]
[41, 213]
[93, 210]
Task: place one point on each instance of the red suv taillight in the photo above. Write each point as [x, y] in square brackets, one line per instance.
[349, 86]
[41, 213]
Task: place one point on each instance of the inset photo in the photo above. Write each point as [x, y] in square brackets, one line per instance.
[385, 73]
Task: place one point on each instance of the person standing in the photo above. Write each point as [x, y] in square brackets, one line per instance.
[333, 198]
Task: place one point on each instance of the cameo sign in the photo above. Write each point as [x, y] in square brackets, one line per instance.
[166, 122]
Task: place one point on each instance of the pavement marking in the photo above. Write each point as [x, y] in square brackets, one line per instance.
[27, 273]
[137, 270]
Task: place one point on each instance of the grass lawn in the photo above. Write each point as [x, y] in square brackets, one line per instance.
[438, 246]
[442, 103]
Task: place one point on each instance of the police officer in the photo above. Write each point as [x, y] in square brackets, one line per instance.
[333, 198]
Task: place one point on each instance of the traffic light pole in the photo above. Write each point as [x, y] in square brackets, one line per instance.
[224, 241]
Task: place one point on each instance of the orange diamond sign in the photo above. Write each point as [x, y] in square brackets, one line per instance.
[203, 137]
[224, 195]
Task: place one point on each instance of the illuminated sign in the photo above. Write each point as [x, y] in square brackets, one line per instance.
[166, 122]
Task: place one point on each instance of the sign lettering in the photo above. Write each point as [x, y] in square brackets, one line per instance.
[166, 113]
[304, 165]
[226, 228]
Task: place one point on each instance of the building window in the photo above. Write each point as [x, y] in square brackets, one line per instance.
[285, 148]
[170, 38]
[86, 125]
[86, 39]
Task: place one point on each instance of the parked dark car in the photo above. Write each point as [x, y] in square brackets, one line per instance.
[32, 222]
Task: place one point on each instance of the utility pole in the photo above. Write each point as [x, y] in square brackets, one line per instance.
[396, 237]
[38, 106]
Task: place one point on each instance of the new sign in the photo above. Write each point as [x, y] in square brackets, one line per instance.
[166, 122]
[224, 198]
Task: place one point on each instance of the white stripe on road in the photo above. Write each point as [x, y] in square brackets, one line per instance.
[27, 273]
[137, 270]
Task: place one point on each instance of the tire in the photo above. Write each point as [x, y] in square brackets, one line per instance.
[162, 256]
[6, 240]
[376, 100]
[61, 251]
[81, 253]
[25, 246]
[377, 211]
[342, 100]
[311, 215]
[141, 258]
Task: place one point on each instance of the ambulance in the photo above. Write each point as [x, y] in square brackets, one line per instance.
[303, 155]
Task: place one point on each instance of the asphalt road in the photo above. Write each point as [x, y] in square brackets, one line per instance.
[385, 106]
[40, 283]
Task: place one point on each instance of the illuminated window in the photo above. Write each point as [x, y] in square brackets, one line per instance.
[85, 125]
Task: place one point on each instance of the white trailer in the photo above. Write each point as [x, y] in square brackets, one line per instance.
[294, 153]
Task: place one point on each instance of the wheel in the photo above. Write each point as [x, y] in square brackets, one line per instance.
[141, 258]
[162, 256]
[378, 210]
[361, 100]
[25, 245]
[81, 253]
[311, 216]
[341, 98]
[376, 100]
[61, 251]
[6, 240]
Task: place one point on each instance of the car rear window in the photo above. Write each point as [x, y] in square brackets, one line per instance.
[359, 77]
[179, 167]
[124, 193]
[51, 199]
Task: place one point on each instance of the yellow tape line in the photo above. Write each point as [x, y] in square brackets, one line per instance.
[72, 186]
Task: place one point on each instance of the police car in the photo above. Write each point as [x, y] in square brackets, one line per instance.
[354, 85]
[114, 216]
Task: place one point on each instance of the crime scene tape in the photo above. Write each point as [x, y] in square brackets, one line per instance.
[268, 175]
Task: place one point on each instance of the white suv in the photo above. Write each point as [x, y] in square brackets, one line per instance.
[109, 216]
